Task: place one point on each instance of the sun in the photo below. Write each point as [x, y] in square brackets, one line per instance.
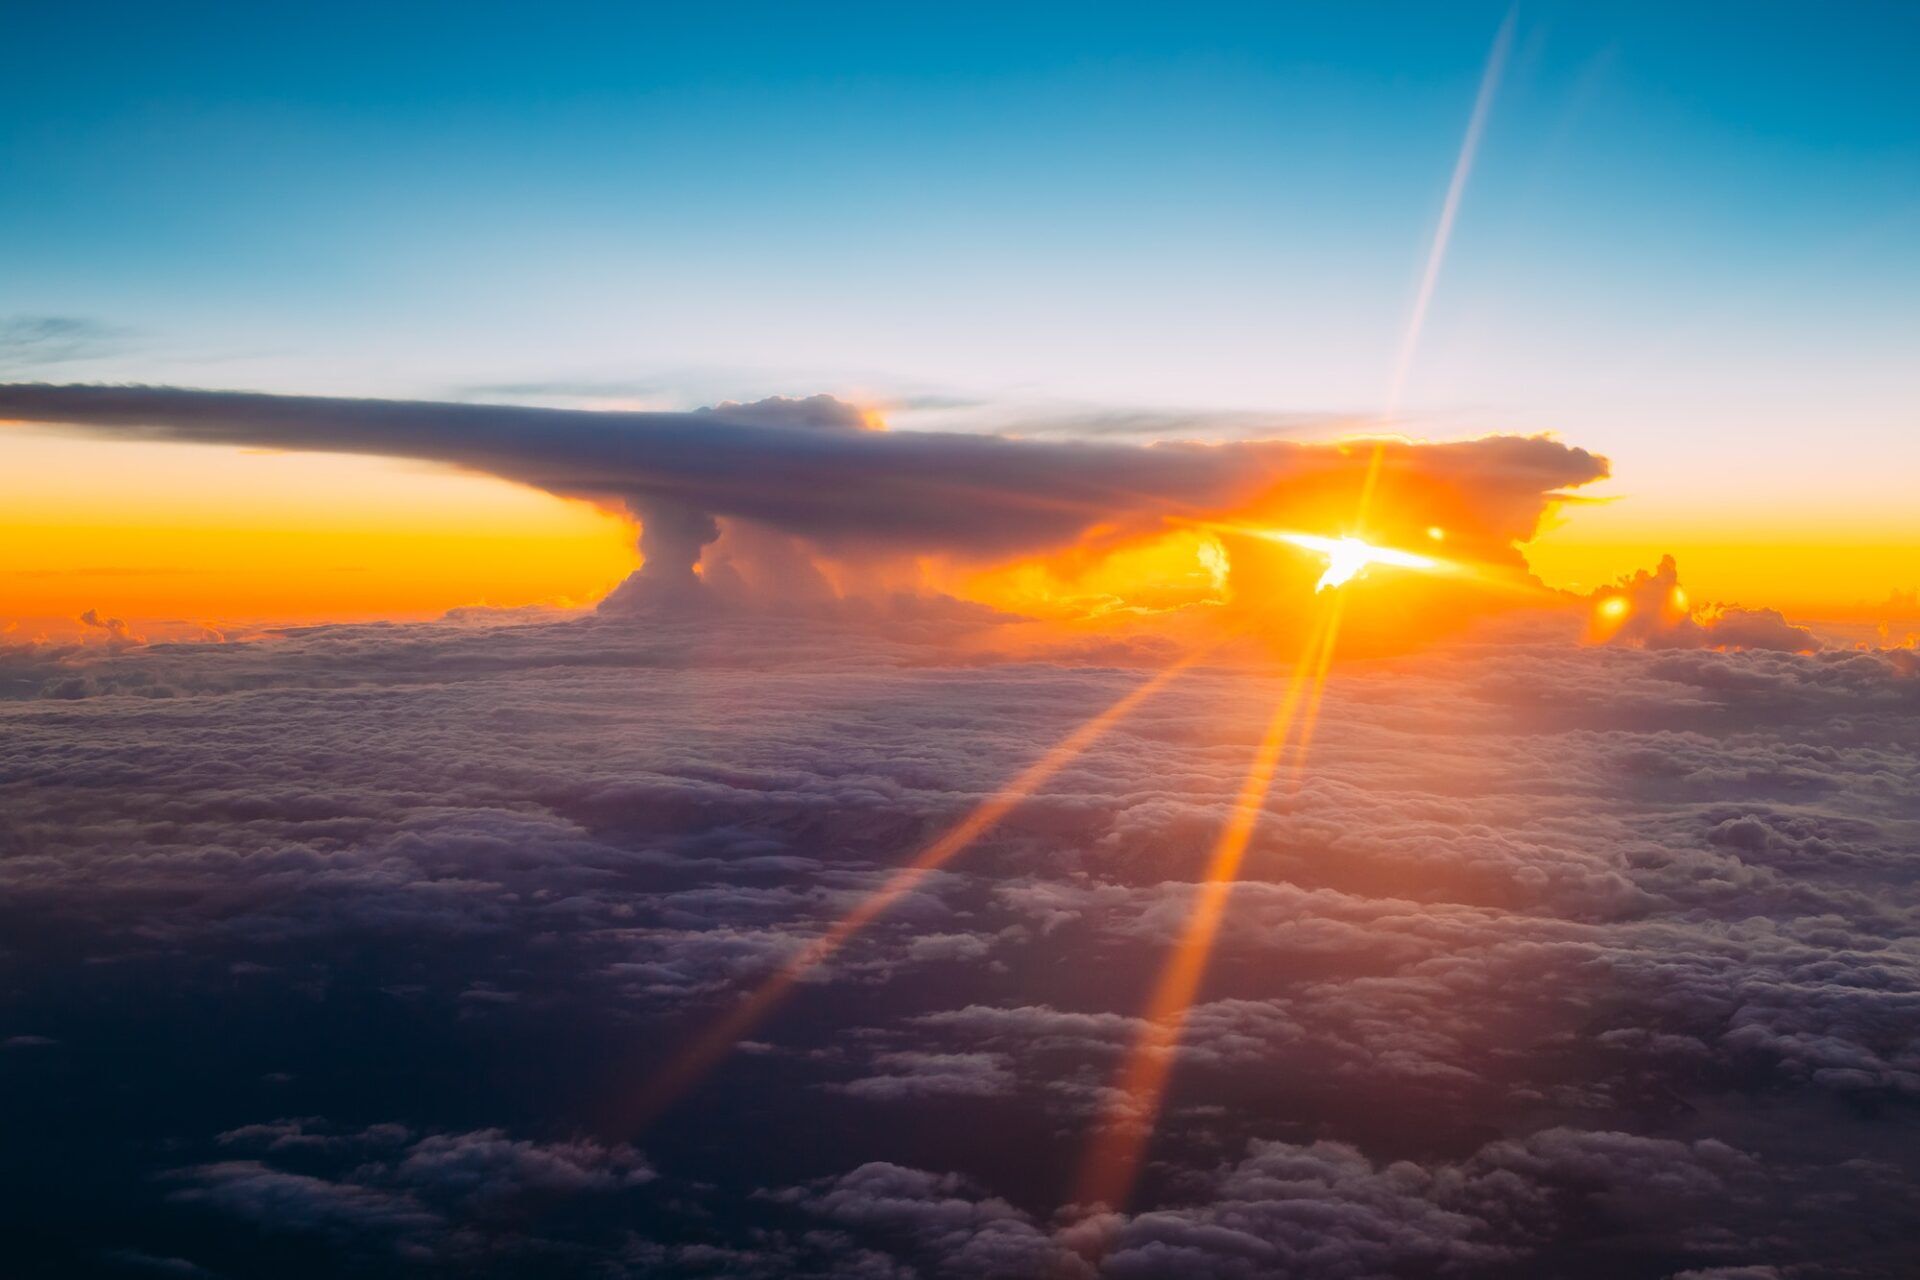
[1349, 557]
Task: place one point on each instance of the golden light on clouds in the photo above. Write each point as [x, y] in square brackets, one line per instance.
[154, 531]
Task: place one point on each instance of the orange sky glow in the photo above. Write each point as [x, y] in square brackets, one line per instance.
[168, 535]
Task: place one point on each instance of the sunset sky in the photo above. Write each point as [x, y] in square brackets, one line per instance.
[1687, 243]
[1044, 641]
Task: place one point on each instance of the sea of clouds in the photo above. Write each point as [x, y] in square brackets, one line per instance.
[347, 950]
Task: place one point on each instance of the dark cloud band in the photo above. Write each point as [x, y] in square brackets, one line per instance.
[808, 468]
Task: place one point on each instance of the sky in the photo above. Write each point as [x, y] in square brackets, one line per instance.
[1686, 243]
[959, 643]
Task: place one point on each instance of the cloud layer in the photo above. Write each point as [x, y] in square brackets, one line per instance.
[348, 948]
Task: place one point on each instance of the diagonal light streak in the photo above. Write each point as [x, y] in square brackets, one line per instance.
[1113, 1160]
[686, 1068]
[1449, 211]
[1316, 693]
[1108, 1170]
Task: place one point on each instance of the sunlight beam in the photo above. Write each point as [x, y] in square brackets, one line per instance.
[1113, 1159]
[1449, 211]
[685, 1069]
[1108, 1170]
[1316, 693]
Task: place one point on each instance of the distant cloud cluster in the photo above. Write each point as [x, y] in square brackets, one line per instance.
[1561, 960]
[1651, 609]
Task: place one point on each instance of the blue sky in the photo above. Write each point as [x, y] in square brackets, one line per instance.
[1689, 233]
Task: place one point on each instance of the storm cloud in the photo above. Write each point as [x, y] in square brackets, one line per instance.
[812, 469]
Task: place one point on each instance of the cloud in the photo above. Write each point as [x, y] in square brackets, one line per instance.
[299, 1202]
[1557, 956]
[380, 1191]
[1651, 610]
[1325, 1210]
[118, 633]
[911, 1074]
[487, 1166]
[808, 469]
[28, 1042]
[35, 342]
[946, 1219]
[1320, 1210]
[1178, 424]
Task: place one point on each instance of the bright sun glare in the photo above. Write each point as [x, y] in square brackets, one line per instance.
[1348, 557]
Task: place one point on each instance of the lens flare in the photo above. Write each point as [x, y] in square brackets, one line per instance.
[1113, 1159]
[1449, 212]
[1316, 688]
[1107, 1173]
[680, 1073]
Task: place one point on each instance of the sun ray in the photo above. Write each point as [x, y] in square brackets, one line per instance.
[1108, 1170]
[1449, 212]
[685, 1069]
[1113, 1159]
[1316, 692]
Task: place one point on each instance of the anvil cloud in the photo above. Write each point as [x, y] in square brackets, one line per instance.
[810, 469]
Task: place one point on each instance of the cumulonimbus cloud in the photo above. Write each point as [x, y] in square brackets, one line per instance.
[813, 469]
[1650, 610]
